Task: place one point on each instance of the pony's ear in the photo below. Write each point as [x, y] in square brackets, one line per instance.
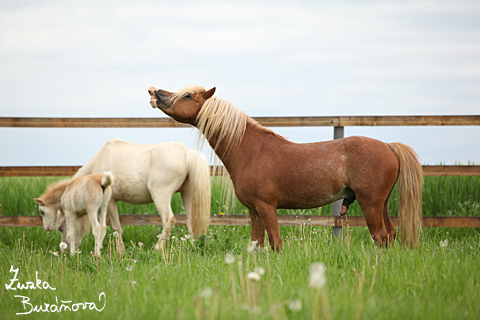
[209, 93]
[39, 201]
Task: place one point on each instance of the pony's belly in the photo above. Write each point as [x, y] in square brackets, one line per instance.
[132, 194]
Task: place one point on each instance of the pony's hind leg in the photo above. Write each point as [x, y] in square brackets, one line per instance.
[112, 213]
[96, 228]
[373, 212]
[162, 203]
[71, 228]
[392, 234]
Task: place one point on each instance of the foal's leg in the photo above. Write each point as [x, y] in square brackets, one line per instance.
[112, 213]
[268, 216]
[71, 230]
[258, 229]
[96, 228]
[102, 214]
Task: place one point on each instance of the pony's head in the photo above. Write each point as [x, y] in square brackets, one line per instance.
[49, 204]
[182, 105]
[49, 212]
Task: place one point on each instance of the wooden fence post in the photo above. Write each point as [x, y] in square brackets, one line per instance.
[337, 205]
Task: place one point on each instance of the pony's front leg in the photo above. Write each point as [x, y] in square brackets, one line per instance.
[258, 228]
[268, 216]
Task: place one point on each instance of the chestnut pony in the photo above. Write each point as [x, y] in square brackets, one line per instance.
[270, 172]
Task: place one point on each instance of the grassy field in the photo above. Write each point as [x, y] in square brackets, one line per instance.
[194, 281]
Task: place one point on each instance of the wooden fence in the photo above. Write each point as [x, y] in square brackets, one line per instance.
[290, 220]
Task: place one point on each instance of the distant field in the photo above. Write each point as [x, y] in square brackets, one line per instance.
[193, 281]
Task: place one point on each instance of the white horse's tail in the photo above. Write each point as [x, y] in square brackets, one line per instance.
[199, 191]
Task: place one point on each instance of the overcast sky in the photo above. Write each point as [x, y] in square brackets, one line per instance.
[269, 58]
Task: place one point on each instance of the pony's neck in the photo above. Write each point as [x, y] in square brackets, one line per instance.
[55, 192]
[238, 155]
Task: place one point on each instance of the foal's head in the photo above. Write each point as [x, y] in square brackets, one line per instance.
[182, 105]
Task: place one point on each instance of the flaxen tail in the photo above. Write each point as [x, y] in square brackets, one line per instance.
[107, 179]
[199, 192]
[410, 184]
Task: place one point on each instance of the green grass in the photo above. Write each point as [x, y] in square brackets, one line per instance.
[192, 281]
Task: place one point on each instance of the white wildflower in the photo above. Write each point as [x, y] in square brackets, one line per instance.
[252, 247]
[317, 275]
[187, 236]
[295, 306]
[140, 245]
[115, 234]
[443, 244]
[133, 243]
[253, 276]
[260, 271]
[174, 238]
[133, 282]
[129, 268]
[55, 253]
[206, 293]
[183, 239]
[229, 258]
[63, 245]
[78, 251]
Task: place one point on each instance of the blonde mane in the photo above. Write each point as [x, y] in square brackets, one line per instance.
[55, 191]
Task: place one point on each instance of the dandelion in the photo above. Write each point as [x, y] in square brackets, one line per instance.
[173, 238]
[63, 246]
[187, 236]
[54, 253]
[129, 268]
[260, 271]
[78, 251]
[295, 306]
[133, 243]
[444, 244]
[206, 293]
[183, 239]
[133, 282]
[253, 276]
[229, 258]
[140, 245]
[251, 247]
[115, 234]
[221, 213]
[317, 275]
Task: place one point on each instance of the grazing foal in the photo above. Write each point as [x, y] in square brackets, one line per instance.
[270, 172]
[71, 200]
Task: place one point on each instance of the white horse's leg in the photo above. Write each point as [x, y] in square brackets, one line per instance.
[112, 213]
[71, 221]
[162, 202]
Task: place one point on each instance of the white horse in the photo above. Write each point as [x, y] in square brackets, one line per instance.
[146, 173]
[74, 205]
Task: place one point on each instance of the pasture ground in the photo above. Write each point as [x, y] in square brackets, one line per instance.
[193, 281]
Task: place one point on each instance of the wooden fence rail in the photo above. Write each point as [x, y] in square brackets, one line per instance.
[58, 171]
[338, 121]
[243, 220]
[286, 220]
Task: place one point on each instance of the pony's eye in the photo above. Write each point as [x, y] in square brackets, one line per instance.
[188, 95]
[41, 212]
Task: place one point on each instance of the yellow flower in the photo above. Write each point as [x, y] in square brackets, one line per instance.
[221, 213]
